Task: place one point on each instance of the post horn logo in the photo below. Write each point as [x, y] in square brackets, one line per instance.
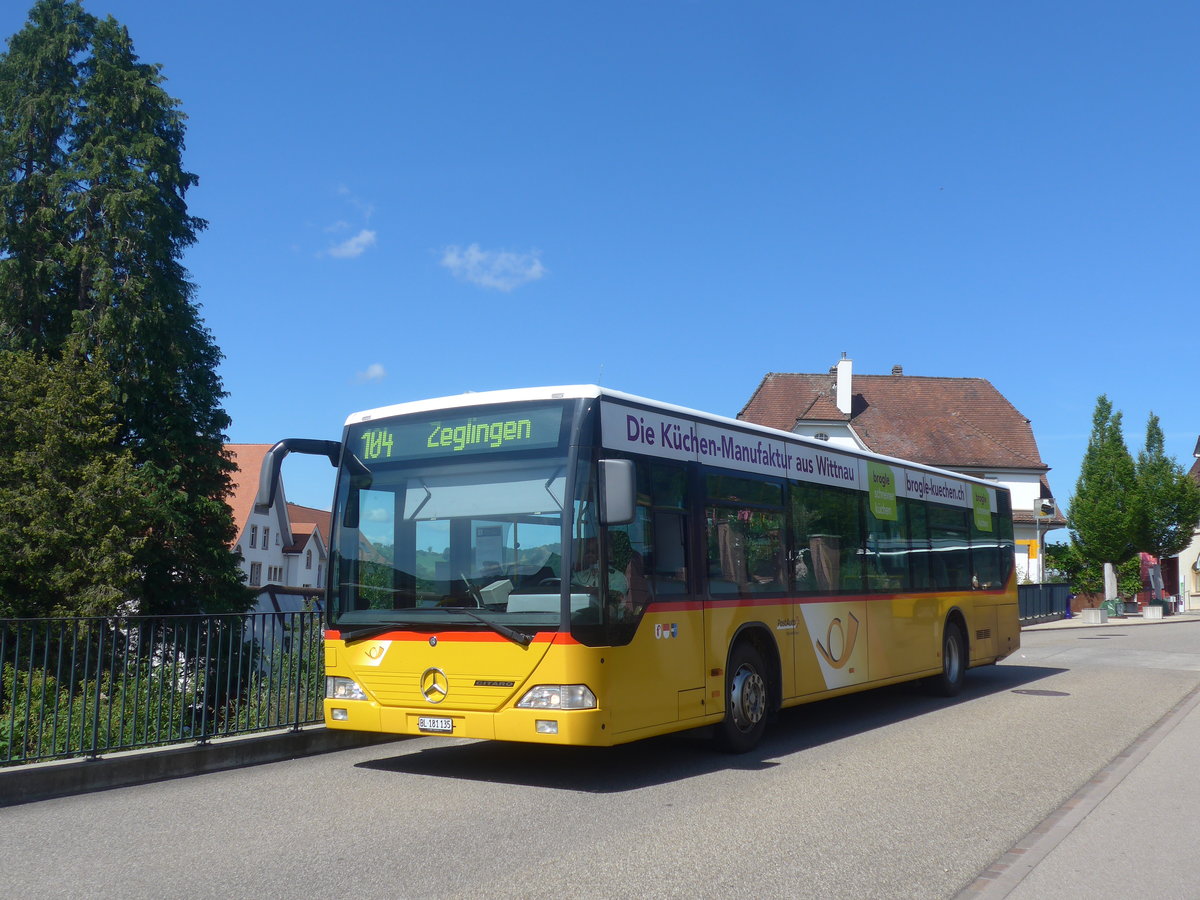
[847, 635]
[434, 685]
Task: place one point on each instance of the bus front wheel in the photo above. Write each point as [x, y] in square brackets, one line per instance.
[746, 700]
[954, 662]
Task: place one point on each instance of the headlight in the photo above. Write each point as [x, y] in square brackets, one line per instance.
[559, 696]
[338, 688]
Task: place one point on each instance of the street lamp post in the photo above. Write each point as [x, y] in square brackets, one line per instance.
[1042, 507]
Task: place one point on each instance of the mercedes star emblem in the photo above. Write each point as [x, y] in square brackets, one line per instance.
[434, 685]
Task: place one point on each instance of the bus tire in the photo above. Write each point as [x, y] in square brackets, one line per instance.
[954, 662]
[746, 700]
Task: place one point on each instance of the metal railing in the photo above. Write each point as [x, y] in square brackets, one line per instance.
[87, 686]
[1042, 602]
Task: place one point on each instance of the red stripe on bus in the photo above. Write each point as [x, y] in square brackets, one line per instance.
[462, 637]
[668, 606]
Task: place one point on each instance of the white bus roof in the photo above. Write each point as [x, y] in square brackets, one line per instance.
[588, 391]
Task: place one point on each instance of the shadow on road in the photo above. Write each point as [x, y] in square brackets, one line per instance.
[688, 754]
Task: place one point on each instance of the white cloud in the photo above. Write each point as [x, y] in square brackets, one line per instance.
[373, 372]
[355, 246]
[500, 270]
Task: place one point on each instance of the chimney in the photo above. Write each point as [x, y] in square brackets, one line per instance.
[897, 370]
[843, 384]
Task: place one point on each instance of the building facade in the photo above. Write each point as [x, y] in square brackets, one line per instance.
[284, 551]
[1189, 560]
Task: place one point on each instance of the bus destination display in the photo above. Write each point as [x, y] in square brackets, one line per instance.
[483, 432]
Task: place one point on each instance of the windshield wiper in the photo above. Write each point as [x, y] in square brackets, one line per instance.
[369, 631]
[512, 634]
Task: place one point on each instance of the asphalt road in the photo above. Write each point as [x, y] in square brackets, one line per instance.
[889, 794]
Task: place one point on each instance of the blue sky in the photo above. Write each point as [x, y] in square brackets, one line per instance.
[410, 199]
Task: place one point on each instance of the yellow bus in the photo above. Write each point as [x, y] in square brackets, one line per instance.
[576, 565]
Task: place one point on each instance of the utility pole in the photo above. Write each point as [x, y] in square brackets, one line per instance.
[1043, 507]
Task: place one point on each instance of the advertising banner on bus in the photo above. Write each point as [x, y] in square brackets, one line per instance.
[657, 434]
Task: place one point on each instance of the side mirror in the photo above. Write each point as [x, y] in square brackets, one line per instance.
[618, 492]
[268, 478]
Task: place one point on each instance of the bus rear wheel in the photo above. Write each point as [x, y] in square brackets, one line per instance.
[746, 700]
[954, 662]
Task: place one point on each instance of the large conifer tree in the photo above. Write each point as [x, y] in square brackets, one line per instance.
[73, 504]
[93, 224]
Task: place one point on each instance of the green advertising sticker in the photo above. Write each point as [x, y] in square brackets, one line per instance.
[983, 507]
[883, 491]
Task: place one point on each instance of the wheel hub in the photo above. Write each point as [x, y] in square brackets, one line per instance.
[748, 698]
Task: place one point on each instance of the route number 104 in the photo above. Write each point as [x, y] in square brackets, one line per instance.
[377, 444]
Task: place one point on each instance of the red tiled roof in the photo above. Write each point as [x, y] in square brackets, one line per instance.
[948, 422]
[248, 459]
[305, 519]
[300, 535]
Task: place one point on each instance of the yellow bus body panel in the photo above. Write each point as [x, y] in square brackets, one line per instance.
[670, 677]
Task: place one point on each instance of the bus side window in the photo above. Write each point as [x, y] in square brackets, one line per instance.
[951, 547]
[630, 546]
[887, 551]
[827, 538]
[985, 555]
[669, 569]
[745, 535]
[651, 551]
[919, 553]
[1002, 523]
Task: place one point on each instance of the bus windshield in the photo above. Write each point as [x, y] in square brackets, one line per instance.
[439, 537]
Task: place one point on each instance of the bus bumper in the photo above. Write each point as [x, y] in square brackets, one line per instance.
[588, 727]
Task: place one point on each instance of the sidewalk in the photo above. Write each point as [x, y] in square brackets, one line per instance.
[61, 778]
[1115, 621]
[1120, 834]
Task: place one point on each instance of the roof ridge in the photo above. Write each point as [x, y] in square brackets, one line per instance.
[758, 390]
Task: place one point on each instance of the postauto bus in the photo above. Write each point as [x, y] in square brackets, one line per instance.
[576, 565]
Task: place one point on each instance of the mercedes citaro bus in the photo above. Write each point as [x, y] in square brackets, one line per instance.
[576, 565]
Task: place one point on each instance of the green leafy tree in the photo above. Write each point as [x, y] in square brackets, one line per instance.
[93, 223]
[1065, 563]
[1103, 515]
[1168, 499]
[73, 504]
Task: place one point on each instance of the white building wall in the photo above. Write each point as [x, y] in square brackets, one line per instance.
[299, 574]
[268, 553]
[838, 434]
[1189, 574]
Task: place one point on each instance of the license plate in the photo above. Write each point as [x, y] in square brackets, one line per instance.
[440, 724]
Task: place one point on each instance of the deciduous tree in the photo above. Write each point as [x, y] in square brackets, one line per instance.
[1086, 577]
[1168, 499]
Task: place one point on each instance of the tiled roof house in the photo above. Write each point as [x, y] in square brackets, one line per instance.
[284, 550]
[962, 424]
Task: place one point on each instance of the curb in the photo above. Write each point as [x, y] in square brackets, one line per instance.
[1117, 622]
[61, 778]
